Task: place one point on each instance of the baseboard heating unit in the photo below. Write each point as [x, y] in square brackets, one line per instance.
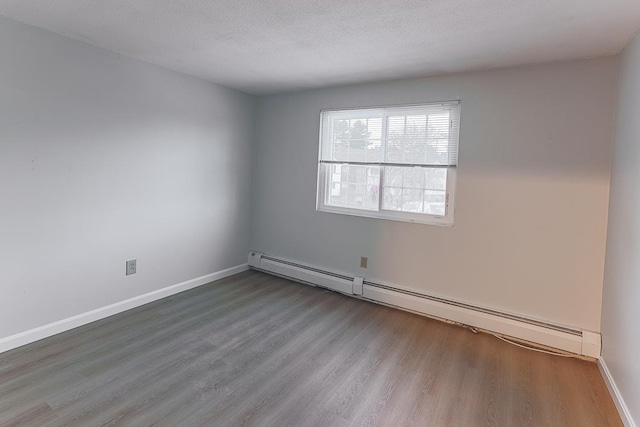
[574, 340]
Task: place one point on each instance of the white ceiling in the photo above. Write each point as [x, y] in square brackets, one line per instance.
[269, 46]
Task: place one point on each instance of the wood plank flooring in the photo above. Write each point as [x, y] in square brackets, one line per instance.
[257, 350]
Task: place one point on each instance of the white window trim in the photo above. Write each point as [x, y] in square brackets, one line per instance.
[446, 220]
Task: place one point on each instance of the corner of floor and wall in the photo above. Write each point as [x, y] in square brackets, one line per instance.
[104, 159]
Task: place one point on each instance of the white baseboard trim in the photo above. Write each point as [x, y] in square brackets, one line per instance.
[509, 327]
[36, 334]
[623, 410]
[562, 337]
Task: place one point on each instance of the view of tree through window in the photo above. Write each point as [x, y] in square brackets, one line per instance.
[396, 160]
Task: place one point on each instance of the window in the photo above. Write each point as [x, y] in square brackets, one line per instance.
[394, 163]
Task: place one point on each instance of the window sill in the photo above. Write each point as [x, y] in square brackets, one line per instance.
[392, 216]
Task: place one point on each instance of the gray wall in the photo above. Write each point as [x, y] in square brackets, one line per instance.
[621, 297]
[532, 191]
[103, 159]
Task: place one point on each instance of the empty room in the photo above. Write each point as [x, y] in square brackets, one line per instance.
[306, 213]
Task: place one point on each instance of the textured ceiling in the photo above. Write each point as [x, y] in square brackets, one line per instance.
[272, 46]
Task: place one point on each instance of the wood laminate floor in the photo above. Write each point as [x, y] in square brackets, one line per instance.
[258, 350]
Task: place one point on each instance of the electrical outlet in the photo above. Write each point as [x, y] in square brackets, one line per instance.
[364, 261]
[131, 267]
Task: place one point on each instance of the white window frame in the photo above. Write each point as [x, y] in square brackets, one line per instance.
[421, 218]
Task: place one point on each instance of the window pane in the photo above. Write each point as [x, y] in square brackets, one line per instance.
[392, 199]
[415, 189]
[418, 139]
[395, 150]
[395, 139]
[435, 179]
[434, 202]
[373, 151]
[416, 126]
[438, 138]
[357, 140]
[374, 126]
[411, 200]
[413, 178]
[352, 186]
[393, 177]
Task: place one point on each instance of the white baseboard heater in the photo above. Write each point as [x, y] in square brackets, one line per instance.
[574, 340]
